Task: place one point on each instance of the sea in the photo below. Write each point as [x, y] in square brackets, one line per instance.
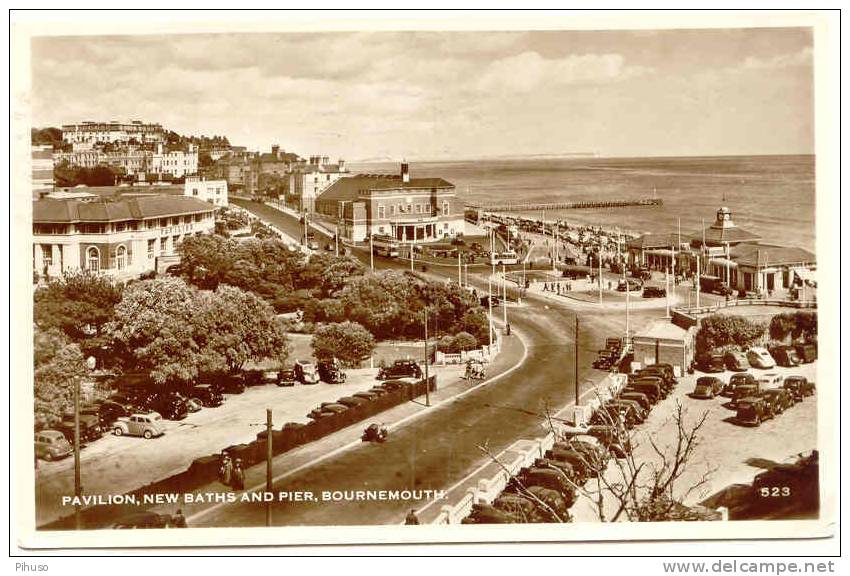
[773, 196]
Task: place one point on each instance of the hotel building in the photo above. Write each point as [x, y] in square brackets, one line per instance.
[122, 238]
[112, 132]
[307, 182]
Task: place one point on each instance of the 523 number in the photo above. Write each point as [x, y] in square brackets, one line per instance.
[775, 491]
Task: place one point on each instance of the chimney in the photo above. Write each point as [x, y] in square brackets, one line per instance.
[341, 165]
[325, 160]
[275, 150]
[405, 172]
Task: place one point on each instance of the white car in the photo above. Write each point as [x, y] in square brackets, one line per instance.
[145, 425]
[770, 380]
[760, 358]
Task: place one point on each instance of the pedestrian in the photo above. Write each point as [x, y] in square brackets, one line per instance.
[178, 520]
[225, 473]
[238, 476]
[411, 519]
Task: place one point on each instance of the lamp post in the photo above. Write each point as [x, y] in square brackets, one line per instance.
[427, 359]
[78, 488]
[269, 456]
[371, 253]
[504, 298]
[490, 308]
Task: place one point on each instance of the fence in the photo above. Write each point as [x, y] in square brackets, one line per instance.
[484, 354]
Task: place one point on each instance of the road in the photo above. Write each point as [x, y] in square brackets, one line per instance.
[435, 451]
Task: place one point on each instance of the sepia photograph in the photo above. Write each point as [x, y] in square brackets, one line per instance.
[361, 281]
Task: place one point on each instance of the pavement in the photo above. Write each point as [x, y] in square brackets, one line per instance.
[727, 452]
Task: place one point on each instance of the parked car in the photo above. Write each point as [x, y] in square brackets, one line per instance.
[654, 292]
[785, 356]
[779, 399]
[743, 378]
[621, 415]
[51, 445]
[799, 386]
[561, 465]
[335, 408]
[368, 396]
[378, 391]
[548, 478]
[616, 440]
[400, 369]
[209, 396]
[631, 285]
[140, 520]
[331, 372]
[807, 352]
[306, 372]
[711, 362]
[253, 377]
[351, 401]
[89, 427]
[286, 377]
[665, 380]
[270, 376]
[391, 385]
[708, 387]
[145, 425]
[620, 403]
[736, 361]
[752, 410]
[639, 397]
[641, 273]
[651, 388]
[108, 411]
[169, 405]
[487, 514]
[758, 357]
[229, 383]
[575, 459]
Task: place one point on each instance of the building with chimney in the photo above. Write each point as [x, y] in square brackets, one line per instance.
[89, 133]
[412, 210]
[308, 181]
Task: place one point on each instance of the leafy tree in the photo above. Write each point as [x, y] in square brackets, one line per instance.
[446, 344]
[782, 325]
[46, 136]
[233, 327]
[154, 329]
[206, 259]
[204, 159]
[464, 341]
[58, 365]
[349, 342]
[806, 325]
[721, 329]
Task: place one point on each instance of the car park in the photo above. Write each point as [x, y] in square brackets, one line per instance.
[145, 425]
[752, 411]
[708, 387]
[785, 356]
[286, 377]
[744, 378]
[400, 369]
[735, 361]
[758, 357]
[779, 399]
[711, 362]
[331, 372]
[52, 445]
[800, 386]
[209, 396]
[306, 372]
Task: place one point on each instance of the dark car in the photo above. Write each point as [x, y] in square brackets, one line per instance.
[628, 285]
[578, 461]
[286, 377]
[708, 387]
[736, 361]
[621, 403]
[108, 412]
[651, 387]
[610, 414]
[615, 439]
[139, 520]
[736, 380]
[785, 356]
[807, 352]
[351, 401]
[378, 391]
[170, 405]
[549, 478]
[331, 372]
[400, 369]
[90, 429]
[368, 396]
[638, 397]
[711, 362]
[752, 411]
[779, 399]
[253, 377]
[487, 514]
[563, 466]
[799, 386]
[641, 273]
[209, 396]
[655, 374]
[749, 389]
[229, 383]
[654, 292]
[392, 385]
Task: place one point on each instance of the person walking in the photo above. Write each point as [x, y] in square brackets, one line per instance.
[411, 519]
[238, 476]
[178, 519]
[226, 471]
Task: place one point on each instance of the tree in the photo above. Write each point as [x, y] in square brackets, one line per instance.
[59, 365]
[782, 325]
[154, 329]
[204, 159]
[464, 341]
[349, 342]
[233, 327]
[721, 330]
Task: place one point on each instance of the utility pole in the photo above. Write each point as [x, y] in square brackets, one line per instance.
[371, 253]
[599, 260]
[336, 242]
[578, 393]
[466, 274]
[459, 272]
[269, 454]
[628, 305]
[504, 298]
[666, 293]
[427, 385]
[490, 307]
[78, 489]
[696, 282]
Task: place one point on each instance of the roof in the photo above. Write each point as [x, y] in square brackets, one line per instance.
[348, 187]
[770, 255]
[662, 329]
[106, 191]
[653, 241]
[124, 209]
[731, 234]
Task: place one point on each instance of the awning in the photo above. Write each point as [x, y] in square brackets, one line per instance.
[806, 275]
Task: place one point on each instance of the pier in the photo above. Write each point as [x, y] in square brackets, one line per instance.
[531, 207]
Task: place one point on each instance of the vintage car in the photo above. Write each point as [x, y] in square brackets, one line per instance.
[711, 362]
[107, 411]
[799, 386]
[769, 380]
[708, 387]
[209, 396]
[779, 399]
[306, 372]
[654, 292]
[785, 356]
[639, 397]
[286, 377]
[744, 378]
[752, 411]
[229, 383]
[807, 352]
[400, 369]
[392, 385]
[667, 382]
[169, 405]
[758, 357]
[51, 445]
[367, 396]
[577, 460]
[629, 285]
[487, 514]
[331, 372]
[736, 361]
[351, 401]
[144, 425]
[651, 387]
[749, 389]
[548, 478]
[90, 429]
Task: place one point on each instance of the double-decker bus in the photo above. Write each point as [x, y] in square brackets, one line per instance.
[384, 245]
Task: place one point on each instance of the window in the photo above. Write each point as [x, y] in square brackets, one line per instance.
[163, 222]
[120, 226]
[380, 229]
[47, 254]
[93, 259]
[194, 191]
[381, 212]
[151, 248]
[163, 245]
[445, 208]
[121, 257]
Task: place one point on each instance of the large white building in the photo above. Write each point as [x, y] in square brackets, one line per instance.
[121, 238]
[308, 181]
[112, 133]
[212, 191]
[177, 163]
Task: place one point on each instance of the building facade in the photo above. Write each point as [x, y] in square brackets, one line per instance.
[307, 182]
[42, 171]
[176, 163]
[412, 210]
[112, 133]
[212, 191]
[122, 238]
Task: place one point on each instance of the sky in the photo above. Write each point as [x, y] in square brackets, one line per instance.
[442, 95]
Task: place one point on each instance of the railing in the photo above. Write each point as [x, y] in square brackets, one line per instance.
[693, 310]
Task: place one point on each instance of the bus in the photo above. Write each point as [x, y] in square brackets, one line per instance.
[383, 245]
[507, 258]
